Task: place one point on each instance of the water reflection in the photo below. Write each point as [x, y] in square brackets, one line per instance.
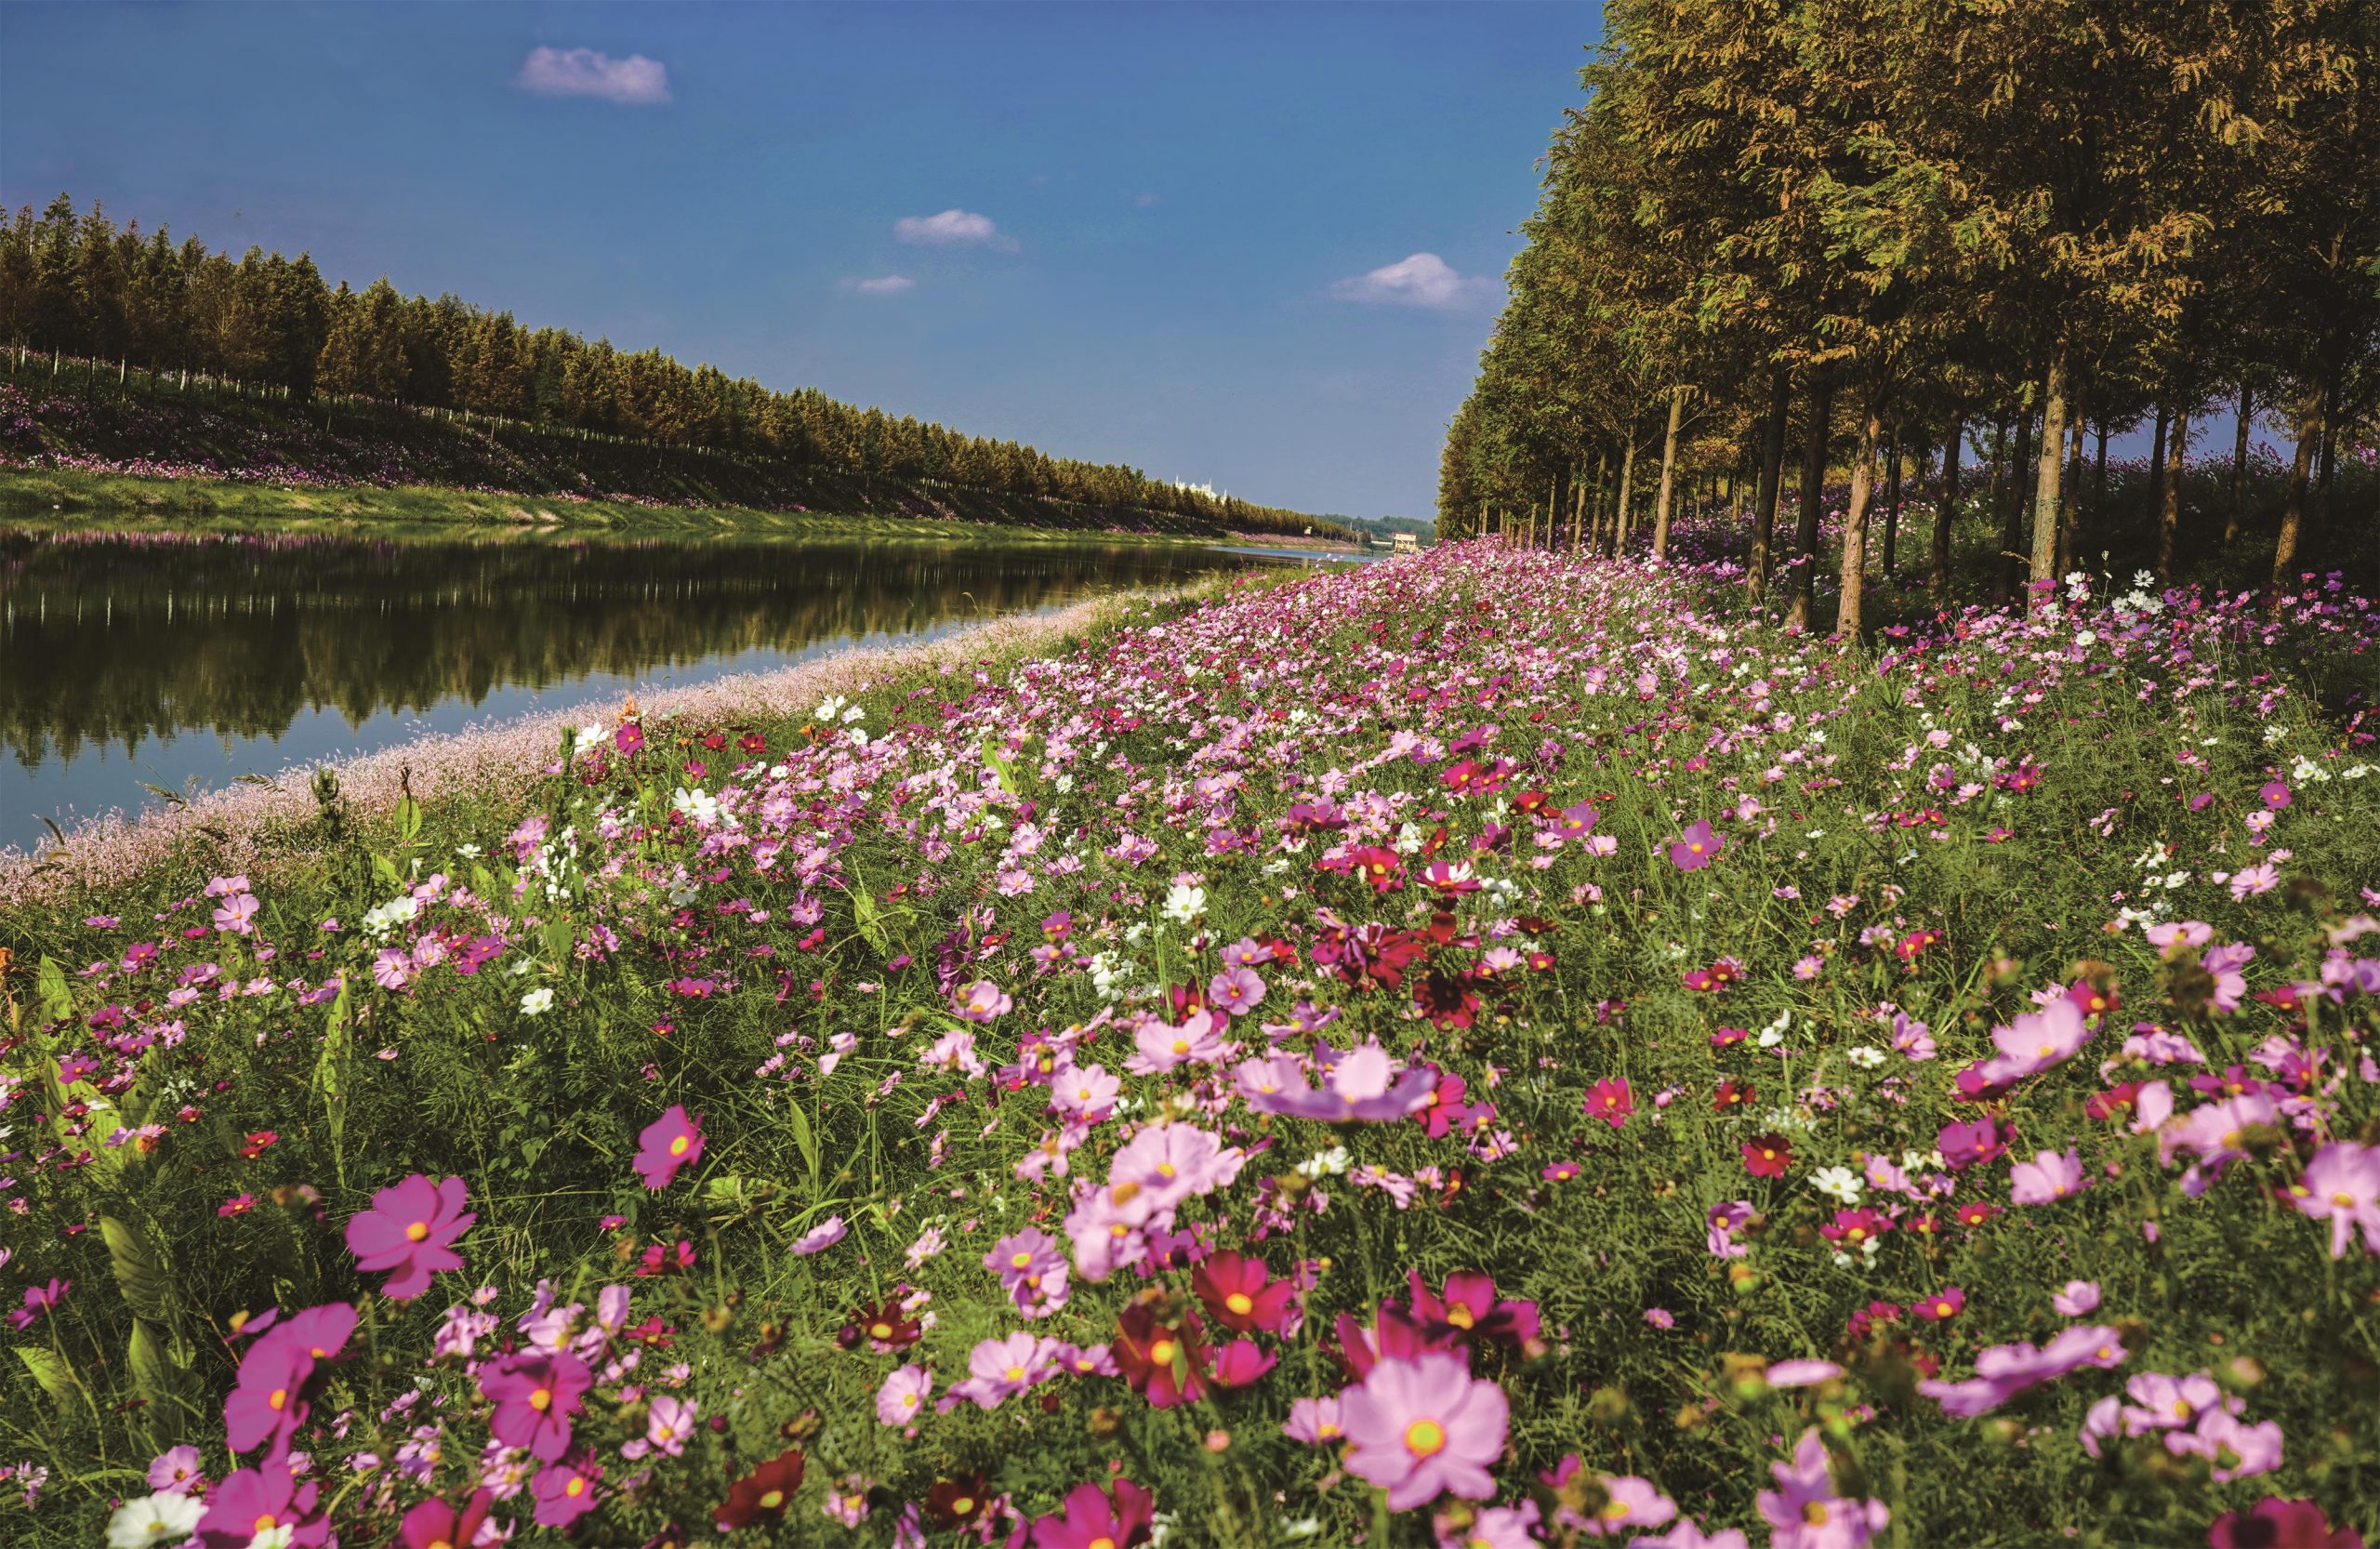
[119, 647]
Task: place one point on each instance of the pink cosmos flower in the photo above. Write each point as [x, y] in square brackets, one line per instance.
[1001, 1368]
[1805, 1511]
[1235, 990]
[1609, 1101]
[254, 1501]
[2037, 1040]
[982, 1002]
[178, 1469]
[268, 1400]
[564, 1491]
[39, 1302]
[1032, 1271]
[2077, 1298]
[1425, 1427]
[1314, 1422]
[408, 1231]
[2049, 1176]
[903, 1397]
[235, 912]
[2342, 1185]
[1694, 849]
[1087, 1090]
[435, 1522]
[1686, 1535]
[1093, 1518]
[1362, 1086]
[1160, 1046]
[535, 1396]
[820, 1237]
[668, 1144]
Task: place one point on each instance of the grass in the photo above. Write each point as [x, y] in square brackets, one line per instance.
[72, 500]
[1431, 817]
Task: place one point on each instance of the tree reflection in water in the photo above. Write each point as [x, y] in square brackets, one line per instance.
[119, 640]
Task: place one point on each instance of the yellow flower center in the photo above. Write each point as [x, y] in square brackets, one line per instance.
[880, 1331]
[278, 1401]
[1425, 1438]
[576, 1488]
[541, 1399]
[772, 1499]
[963, 1505]
[1124, 1193]
[1162, 1352]
[2343, 1199]
[1018, 1261]
[266, 1523]
[678, 1144]
[1814, 1512]
[1240, 1301]
[1614, 1511]
[1943, 1309]
[1182, 1046]
[1016, 1373]
[1102, 1542]
[417, 1231]
[1460, 1315]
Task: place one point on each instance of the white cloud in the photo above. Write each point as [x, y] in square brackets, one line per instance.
[584, 72]
[1423, 280]
[882, 284]
[952, 229]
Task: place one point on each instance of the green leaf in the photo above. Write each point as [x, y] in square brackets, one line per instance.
[864, 913]
[330, 1079]
[161, 1373]
[805, 1138]
[57, 1001]
[49, 1371]
[140, 1270]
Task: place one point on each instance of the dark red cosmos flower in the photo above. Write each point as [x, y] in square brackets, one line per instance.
[883, 1326]
[1446, 999]
[2114, 1103]
[954, 1504]
[1395, 1335]
[253, 1145]
[1767, 1156]
[1731, 1095]
[1382, 869]
[2276, 1523]
[1164, 1362]
[1238, 1290]
[764, 1494]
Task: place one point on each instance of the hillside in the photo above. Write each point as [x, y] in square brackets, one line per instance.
[189, 443]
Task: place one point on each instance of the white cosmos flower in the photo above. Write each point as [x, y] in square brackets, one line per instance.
[165, 1518]
[538, 1002]
[1838, 1182]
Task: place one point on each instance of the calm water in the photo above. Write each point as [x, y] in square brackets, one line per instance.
[133, 661]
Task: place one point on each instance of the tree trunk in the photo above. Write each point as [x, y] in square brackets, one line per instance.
[1595, 516]
[1854, 532]
[1579, 507]
[2232, 518]
[1892, 502]
[1669, 474]
[1620, 513]
[2052, 466]
[2100, 475]
[2157, 463]
[1938, 563]
[1806, 528]
[2069, 509]
[1772, 468]
[2169, 518]
[2292, 510]
[2012, 505]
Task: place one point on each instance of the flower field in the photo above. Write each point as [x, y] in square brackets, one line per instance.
[1482, 1049]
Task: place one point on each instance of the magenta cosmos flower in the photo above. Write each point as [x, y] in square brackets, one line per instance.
[1362, 1086]
[535, 1396]
[256, 1501]
[668, 1144]
[1425, 1427]
[1805, 1511]
[407, 1232]
[1694, 849]
[1093, 1518]
[2049, 1176]
[2342, 1185]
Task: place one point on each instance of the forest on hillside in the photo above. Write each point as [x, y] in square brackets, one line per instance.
[75, 284]
[1784, 245]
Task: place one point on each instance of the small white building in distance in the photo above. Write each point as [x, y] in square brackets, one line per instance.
[1406, 543]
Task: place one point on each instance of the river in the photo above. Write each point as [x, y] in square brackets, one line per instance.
[133, 664]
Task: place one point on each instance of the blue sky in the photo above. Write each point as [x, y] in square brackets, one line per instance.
[1130, 233]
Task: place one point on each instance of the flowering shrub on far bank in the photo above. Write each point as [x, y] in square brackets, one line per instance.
[1479, 1051]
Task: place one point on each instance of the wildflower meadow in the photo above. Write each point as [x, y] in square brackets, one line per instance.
[1487, 1049]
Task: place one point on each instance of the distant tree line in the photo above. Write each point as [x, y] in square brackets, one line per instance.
[79, 285]
[1781, 237]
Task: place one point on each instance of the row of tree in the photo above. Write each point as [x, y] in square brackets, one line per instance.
[77, 284]
[1878, 231]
